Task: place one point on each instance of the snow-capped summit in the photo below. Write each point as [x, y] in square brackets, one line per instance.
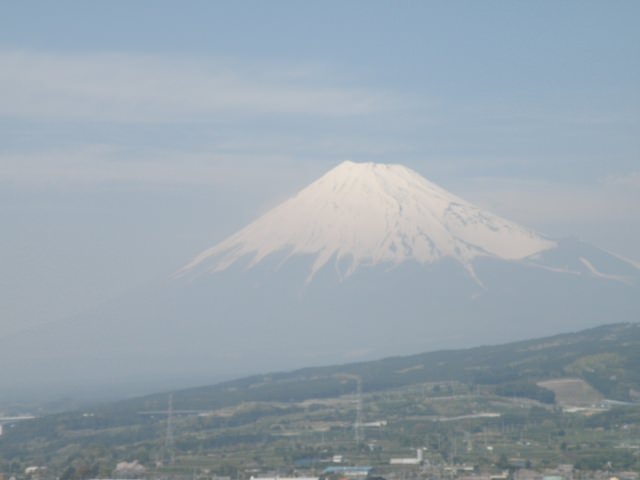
[369, 213]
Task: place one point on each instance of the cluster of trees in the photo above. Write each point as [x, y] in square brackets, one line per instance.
[526, 390]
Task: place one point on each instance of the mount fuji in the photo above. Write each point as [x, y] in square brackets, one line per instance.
[368, 261]
[368, 214]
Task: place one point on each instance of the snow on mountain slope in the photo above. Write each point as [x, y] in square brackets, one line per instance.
[367, 214]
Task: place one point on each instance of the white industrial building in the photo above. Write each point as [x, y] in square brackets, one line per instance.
[409, 461]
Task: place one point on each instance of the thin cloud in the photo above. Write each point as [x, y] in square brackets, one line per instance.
[600, 213]
[92, 165]
[144, 88]
[631, 180]
[542, 203]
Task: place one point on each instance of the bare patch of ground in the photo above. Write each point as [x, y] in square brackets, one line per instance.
[573, 392]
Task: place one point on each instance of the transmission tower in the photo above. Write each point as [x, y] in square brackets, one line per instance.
[357, 426]
[169, 451]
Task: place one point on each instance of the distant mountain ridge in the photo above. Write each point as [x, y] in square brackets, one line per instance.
[369, 261]
[607, 357]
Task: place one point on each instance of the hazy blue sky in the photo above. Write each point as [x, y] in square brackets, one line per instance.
[135, 134]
